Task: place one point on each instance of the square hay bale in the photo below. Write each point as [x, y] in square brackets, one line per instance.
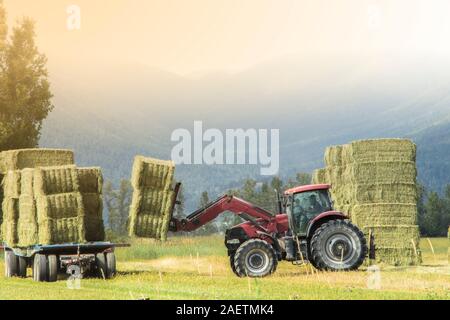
[95, 229]
[394, 236]
[10, 208]
[32, 158]
[26, 182]
[11, 184]
[152, 173]
[59, 206]
[27, 224]
[93, 219]
[9, 233]
[90, 180]
[63, 230]
[398, 256]
[380, 172]
[384, 214]
[379, 150]
[54, 180]
[383, 193]
[150, 213]
[333, 156]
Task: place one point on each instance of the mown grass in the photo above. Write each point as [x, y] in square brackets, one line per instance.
[198, 268]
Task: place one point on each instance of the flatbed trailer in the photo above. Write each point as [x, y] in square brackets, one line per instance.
[76, 259]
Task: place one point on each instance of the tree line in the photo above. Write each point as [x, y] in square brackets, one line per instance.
[433, 209]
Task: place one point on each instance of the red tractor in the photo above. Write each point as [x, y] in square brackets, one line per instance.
[305, 229]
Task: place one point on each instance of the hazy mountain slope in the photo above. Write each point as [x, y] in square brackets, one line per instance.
[109, 114]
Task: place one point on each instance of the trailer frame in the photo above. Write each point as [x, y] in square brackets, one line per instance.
[47, 261]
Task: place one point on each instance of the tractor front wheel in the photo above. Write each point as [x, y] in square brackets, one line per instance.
[255, 258]
[338, 245]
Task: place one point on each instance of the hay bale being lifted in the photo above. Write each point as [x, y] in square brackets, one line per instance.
[32, 158]
[152, 199]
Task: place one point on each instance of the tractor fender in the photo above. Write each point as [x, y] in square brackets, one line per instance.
[322, 218]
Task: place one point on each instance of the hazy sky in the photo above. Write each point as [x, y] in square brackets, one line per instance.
[190, 36]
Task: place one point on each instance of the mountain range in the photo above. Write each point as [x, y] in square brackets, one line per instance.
[111, 112]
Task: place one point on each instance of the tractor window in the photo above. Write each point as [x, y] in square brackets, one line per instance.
[306, 206]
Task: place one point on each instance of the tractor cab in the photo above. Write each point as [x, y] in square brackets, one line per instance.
[304, 204]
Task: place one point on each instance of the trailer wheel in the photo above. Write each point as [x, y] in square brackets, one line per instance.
[255, 258]
[338, 245]
[52, 268]
[40, 267]
[22, 264]
[110, 265]
[11, 264]
[100, 264]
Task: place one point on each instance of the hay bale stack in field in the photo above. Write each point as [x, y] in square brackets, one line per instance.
[91, 188]
[48, 200]
[152, 199]
[374, 181]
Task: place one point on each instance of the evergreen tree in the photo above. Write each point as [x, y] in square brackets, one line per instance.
[210, 227]
[118, 204]
[24, 87]
[434, 212]
[303, 179]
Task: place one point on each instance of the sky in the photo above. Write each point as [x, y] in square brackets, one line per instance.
[203, 36]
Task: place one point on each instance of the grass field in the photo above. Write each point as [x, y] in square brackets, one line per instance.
[198, 268]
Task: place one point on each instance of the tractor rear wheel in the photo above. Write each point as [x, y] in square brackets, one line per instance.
[232, 263]
[338, 245]
[255, 258]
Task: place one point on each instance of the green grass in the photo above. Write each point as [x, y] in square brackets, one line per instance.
[198, 268]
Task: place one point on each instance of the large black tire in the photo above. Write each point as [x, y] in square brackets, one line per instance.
[22, 264]
[11, 264]
[338, 245]
[52, 268]
[255, 258]
[110, 265]
[100, 263]
[40, 268]
[233, 268]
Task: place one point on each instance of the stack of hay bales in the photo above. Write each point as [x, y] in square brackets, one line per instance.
[374, 181]
[48, 200]
[152, 199]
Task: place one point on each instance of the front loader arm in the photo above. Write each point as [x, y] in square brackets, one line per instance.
[211, 211]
